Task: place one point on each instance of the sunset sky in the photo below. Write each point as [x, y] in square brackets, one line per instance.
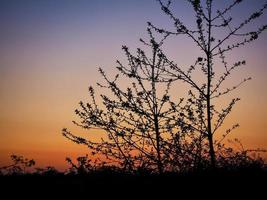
[49, 54]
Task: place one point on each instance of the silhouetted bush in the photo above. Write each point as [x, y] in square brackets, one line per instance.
[19, 165]
[47, 171]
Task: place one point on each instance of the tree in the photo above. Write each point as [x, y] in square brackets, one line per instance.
[208, 119]
[138, 120]
[144, 127]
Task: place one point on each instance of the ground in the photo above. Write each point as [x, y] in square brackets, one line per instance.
[216, 185]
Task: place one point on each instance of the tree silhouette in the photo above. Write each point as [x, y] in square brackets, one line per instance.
[146, 128]
[138, 120]
[214, 47]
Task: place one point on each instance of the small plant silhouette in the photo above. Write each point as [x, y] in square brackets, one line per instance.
[83, 165]
[19, 165]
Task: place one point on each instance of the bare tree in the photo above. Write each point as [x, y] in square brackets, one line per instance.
[138, 120]
[206, 117]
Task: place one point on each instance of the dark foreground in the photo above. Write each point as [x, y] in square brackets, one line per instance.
[249, 184]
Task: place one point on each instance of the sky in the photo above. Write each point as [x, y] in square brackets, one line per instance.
[49, 54]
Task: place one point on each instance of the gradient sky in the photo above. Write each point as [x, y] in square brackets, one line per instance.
[49, 54]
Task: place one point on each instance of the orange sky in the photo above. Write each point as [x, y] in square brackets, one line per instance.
[47, 63]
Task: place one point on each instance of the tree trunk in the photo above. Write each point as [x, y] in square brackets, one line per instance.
[159, 162]
[209, 77]
[155, 113]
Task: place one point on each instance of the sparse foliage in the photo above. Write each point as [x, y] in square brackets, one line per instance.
[138, 120]
[145, 127]
[207, 116]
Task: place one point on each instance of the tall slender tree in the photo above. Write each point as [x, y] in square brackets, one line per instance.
[208, 118]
